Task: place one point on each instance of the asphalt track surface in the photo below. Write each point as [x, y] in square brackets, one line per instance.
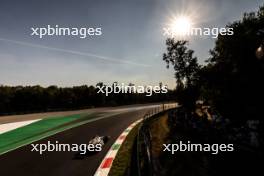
[24, 162]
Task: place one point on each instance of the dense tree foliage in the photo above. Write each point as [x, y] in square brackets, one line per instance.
[28, 99]
[233, 79]
[186, 71]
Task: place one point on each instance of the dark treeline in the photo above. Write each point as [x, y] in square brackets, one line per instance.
[28, 99]
[231, 81]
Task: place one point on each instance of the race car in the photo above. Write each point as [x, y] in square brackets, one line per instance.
[99, 140]
[95, 142]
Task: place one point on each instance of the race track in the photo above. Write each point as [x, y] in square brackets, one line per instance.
[23, 162]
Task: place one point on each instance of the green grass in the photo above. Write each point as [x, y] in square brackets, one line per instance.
[159, 131]
[38, 130]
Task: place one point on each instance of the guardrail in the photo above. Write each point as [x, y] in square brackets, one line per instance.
[143, 149]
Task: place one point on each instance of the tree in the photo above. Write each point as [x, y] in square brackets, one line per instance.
[186, 69]
[233, 78]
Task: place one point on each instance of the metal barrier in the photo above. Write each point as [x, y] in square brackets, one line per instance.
[144, 141]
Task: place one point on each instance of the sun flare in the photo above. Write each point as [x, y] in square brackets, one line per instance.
[181, 25]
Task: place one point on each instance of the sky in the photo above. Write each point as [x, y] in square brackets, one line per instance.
[128, 51]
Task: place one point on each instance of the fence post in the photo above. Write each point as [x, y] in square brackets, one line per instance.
[138, 150]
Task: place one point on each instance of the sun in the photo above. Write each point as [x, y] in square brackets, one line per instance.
[181, 25]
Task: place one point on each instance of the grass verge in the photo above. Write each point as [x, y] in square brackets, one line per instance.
[159, 131]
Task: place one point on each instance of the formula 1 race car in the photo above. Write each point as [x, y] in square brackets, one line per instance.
[99, 140]
[94, 146]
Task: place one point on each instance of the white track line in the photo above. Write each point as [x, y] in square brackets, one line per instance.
[11, 126]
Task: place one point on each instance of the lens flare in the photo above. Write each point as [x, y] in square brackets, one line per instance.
[260, 53]
[181, 25]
